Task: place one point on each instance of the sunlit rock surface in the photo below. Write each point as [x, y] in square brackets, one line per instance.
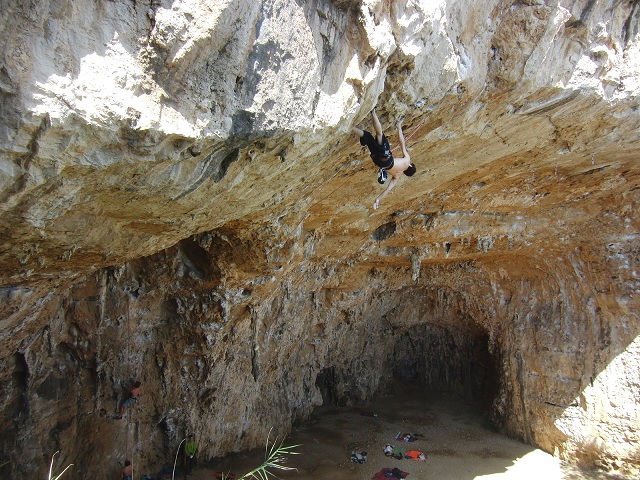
[182, 203]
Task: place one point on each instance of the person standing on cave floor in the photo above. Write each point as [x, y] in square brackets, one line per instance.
[190, 449]
[127, 471]
[381, 155]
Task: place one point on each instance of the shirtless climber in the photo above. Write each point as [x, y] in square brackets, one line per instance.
[381, 155]
[133, 392]
[127, 471]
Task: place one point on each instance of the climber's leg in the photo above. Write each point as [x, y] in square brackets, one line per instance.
[377, 127]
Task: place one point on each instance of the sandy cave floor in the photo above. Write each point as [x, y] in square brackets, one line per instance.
[458, 441]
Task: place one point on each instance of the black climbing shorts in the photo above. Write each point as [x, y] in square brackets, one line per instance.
[380, 154]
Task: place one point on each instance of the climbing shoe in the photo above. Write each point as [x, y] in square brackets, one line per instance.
[382, 176]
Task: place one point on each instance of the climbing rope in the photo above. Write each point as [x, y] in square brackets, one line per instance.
[129, 452]
[406, 139]
[127, 353]
[335, 189]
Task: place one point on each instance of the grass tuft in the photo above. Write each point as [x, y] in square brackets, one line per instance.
[51, 477]
[275, 456]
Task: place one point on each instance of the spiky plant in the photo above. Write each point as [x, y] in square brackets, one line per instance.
[51, 477]
[274, 458]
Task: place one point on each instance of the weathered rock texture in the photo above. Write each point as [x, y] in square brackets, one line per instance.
[182, 203]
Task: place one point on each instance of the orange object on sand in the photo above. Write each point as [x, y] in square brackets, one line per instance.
[415, 455]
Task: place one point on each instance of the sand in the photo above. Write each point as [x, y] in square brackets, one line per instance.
[458, 441]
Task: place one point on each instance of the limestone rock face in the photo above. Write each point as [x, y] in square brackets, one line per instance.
[183, 204]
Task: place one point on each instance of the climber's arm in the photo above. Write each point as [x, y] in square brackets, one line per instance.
[392, 183]
[401, 140]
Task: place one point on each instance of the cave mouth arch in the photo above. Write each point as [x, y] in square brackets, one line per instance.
[436, 358]
[445, 360]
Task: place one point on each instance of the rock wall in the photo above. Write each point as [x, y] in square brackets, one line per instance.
[182, 204]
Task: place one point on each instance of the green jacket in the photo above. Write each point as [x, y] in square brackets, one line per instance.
[190, 448]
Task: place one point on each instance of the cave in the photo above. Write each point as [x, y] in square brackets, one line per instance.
[186, 202]
[326, 382]
[440, 360]
[434, 357]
